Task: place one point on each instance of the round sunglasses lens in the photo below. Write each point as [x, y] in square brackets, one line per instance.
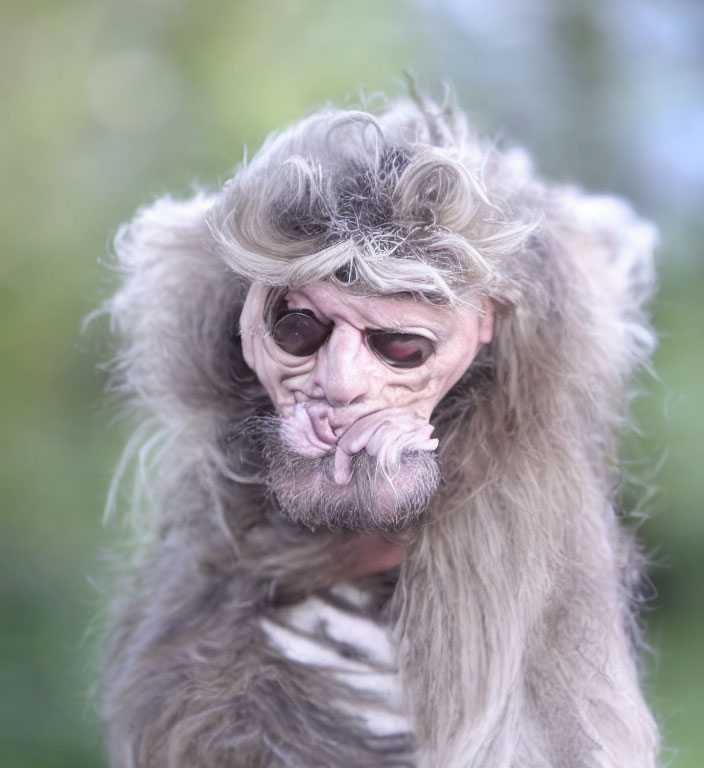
[300, 334]
[401, 350]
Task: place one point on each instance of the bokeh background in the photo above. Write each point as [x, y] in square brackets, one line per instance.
[106, 105]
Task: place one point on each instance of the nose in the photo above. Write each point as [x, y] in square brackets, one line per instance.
[340, 370]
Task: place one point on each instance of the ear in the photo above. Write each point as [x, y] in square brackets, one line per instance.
[252, 321]
[486, 320]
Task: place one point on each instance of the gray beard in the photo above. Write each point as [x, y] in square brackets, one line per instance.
[305, 489]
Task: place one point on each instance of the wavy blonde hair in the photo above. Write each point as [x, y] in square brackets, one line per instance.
[513, 610]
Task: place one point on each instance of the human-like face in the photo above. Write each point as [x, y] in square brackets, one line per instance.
[351, 375]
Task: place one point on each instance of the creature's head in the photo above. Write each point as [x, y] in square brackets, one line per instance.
[368, 244]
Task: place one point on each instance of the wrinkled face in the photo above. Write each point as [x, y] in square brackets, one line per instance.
[354, 381]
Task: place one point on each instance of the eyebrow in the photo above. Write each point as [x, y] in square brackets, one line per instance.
[411, 329]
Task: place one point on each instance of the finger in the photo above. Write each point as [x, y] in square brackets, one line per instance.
[361, 432]
[386, 437]
[342, 468]
[412, 435]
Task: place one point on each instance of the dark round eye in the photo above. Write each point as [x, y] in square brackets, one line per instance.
[300, 333]
[401, 350]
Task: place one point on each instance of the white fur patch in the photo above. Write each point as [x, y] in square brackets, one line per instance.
[351, 647]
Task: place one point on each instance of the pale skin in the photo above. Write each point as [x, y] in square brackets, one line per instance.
[345, 397]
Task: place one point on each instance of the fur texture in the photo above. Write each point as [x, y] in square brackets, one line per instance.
[512, 611]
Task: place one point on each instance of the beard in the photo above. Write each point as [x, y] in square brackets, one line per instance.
[375, 499]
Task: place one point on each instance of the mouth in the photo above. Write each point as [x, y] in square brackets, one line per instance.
[314, 428]
[307, 430]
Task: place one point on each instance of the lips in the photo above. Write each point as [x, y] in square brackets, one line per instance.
[313, 428]
[307, 430]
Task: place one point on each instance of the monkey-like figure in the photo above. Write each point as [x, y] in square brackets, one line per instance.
[381, 374]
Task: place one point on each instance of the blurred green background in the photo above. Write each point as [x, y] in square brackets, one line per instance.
[106, 105]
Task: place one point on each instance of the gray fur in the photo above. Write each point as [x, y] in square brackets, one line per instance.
[511, 613]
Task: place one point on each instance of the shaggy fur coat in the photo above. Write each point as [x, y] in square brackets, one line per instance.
[512, 615]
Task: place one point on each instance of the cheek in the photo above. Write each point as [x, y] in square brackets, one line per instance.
[416, 392]
[442, 371]
[423, 389]
[452, 369]
[276, 371]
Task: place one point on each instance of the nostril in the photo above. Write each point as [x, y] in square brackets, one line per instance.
[345, 401]
[344, 387]
[339, 398]
[318, 393]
